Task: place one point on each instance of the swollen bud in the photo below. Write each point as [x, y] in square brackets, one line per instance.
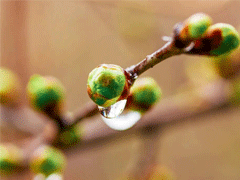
[144, 93]
[194, 27]
[229, 38]
[107, 84]
[47, 160]
[10, 88]
[219, 39]
[10, 159]
[46, 93]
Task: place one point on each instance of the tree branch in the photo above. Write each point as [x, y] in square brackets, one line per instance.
[171, 109]
[158, 56]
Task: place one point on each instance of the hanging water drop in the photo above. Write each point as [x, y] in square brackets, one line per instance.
[113, 110]
[123, 122]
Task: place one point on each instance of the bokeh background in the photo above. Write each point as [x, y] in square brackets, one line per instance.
[67, 39]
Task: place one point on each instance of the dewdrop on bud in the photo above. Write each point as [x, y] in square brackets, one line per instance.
[144, 94]
[47, 160]
[195, 26]
[124, 121]
[46, 93]
[10, 159]
[106, 84]
[108, 87]
[9, 87]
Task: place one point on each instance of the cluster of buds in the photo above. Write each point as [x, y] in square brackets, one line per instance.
[208, 39]
[108, 84]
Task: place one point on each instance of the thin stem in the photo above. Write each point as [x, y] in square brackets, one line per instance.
[158, 56]
[90, 109]
[47, 136]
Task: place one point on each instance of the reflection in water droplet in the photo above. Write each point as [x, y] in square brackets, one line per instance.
[124, 121]
[113, 110]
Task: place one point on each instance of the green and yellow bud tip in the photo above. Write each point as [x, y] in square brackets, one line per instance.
[71, 136]
[45, 92]
[195, 26]
[10, 87]
[224, 38]
[47, 160]
[10, 159]
[144, 93]
[106, 84]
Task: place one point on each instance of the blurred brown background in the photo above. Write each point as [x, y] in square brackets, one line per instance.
[68, 39]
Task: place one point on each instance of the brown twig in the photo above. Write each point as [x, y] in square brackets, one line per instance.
[90, 109]
[48, 136]
[158, 56]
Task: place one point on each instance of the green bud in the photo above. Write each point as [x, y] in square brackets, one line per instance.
[229, 39]
[71, 136]
[9, 87]
[106, 84]
[144, 93]
[45, 92]
[219, 39]
[47, 160]
[10, 159]
[195, 26]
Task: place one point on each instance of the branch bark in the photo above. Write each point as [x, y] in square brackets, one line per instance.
[158, 56]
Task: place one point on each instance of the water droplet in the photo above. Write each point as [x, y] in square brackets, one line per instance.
[55, 177]
[124, 121]
[113, 110]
